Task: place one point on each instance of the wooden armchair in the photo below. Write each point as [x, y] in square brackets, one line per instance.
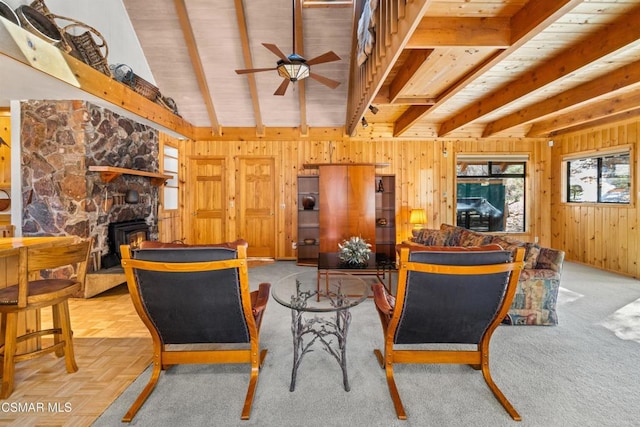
[447, 298]
[196, 295]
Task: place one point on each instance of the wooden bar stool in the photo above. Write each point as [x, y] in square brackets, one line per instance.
[31, 294]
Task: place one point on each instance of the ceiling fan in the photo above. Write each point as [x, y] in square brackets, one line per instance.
[294, 67]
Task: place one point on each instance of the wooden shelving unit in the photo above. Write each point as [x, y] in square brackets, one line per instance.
[386, 208]
[308, 220]
[109, 173]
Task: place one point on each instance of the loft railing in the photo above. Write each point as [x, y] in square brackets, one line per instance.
[395, 21]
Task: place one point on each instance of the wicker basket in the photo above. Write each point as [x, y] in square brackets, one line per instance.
[124, 74]
[169, 104]
[8, 13]
[83, 46]
[91, 52]
[40, 25]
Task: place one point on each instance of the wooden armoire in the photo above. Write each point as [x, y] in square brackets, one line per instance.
[347, 204]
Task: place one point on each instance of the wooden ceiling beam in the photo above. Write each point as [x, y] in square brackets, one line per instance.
[302, 84]
[446, 32]
[409, 117]
[414, 100]
[192, 48]
[530, 21]
[606, 121]
[621, 78]
[603, 42]
[599, 110]
[412, 65]
[248, 63]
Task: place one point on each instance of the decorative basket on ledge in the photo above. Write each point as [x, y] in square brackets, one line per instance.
[91, 52]
[124, 74]
[168, 103]
[89, 47]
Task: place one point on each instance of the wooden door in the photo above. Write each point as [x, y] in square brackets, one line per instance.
[333, 206]
[207, 200]
[256, 205]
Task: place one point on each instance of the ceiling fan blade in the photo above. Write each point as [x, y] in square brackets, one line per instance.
[325, 80]
[255, 70]
[273, 48]
[325, 57]
[282, 88]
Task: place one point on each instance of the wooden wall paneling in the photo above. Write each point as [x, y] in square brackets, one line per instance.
[287, 170]
[447, 188]
[5, 160]
[5, 151]
[603, 251]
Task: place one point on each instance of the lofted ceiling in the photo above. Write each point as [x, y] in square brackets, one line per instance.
[448, 68]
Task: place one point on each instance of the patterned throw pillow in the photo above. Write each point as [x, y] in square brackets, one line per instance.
[429, 237]
[453, 234]
[473, 238]
[507, 244]
[532, 250]
[531, 257]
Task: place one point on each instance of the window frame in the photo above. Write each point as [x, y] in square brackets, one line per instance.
[599, 155]
[175, 173]
[492, 158]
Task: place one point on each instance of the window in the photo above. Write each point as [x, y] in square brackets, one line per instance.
[170, 167]
[602, 178]
[490, 193]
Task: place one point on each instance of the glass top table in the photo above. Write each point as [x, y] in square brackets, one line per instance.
[300, 293]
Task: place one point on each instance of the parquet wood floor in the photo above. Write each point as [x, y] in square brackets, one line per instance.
[112, 348]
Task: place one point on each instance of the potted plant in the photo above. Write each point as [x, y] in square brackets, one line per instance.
[355, 251]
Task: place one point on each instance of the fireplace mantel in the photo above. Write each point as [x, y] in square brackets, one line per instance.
[109, 173]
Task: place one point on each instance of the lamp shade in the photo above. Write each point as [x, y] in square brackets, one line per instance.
[418, 217]
[295, 69]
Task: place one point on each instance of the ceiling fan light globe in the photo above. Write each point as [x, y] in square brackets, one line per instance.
[294, 70]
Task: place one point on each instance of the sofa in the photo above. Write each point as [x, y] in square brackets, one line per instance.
[537, 292]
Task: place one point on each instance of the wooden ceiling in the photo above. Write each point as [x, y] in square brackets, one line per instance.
[448, 68]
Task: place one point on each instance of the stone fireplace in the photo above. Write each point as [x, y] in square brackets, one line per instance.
[60, 141]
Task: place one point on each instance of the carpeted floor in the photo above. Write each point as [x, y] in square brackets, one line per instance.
[579, 373]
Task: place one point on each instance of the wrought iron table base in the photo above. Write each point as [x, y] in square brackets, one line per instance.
[323, 330]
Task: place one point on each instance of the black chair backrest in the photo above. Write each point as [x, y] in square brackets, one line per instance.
[442, 307]
[193, 306]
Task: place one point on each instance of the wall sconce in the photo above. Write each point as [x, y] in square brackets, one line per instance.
[373, 109]
[418, 218]
[364, 122]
